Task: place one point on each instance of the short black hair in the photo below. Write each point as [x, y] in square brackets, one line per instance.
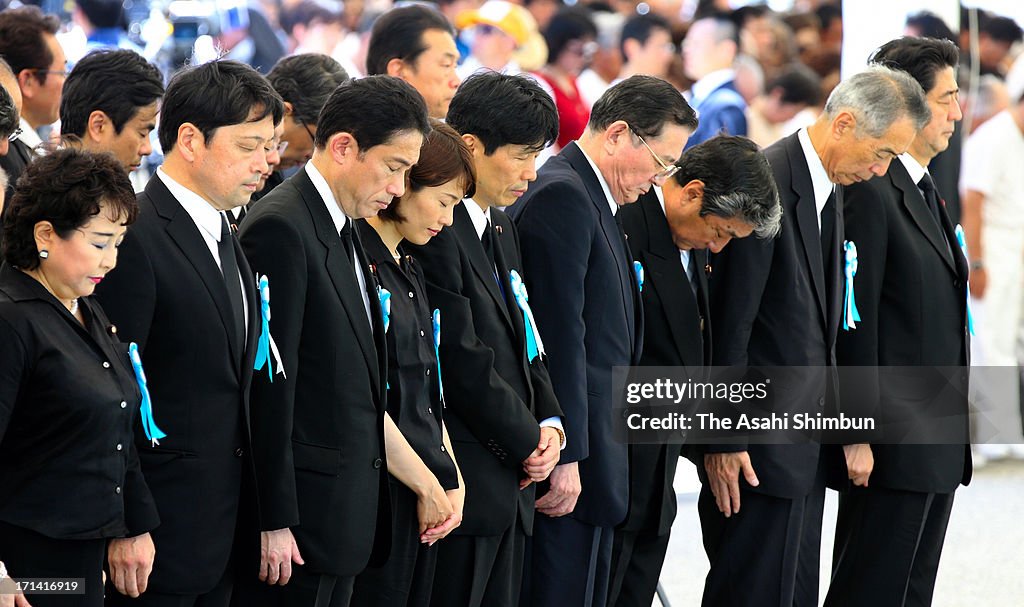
[215, 94]
[67, 188]
[306, 81]
[500, 110]
[738, 182]
[568, 24]
[21, 39]
[398, 34]
[922, 58]
[827, 13]
[372, 109]
[645, 103]
[930, 25]
[103, 13]
[639, 28]
[116, 83]
[9, 118]
[799, 84]
[1002, 29]
[307, 12]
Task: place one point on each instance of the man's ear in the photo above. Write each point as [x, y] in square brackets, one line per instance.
[342, 147]
[98, 126]
[845, 123]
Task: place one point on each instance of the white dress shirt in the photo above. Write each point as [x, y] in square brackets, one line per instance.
[684, 255]
[604, 184]
[822, 185]
[28, 135]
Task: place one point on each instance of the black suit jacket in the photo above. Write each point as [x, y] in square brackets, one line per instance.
[677, 333]
[585, 298]
[318, 434]
[168, 295]
[911, 291]
[14, 163]
[778, 303]
[494, 396]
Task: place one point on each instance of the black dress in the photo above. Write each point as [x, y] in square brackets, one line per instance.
[68, 465]
[414, 404]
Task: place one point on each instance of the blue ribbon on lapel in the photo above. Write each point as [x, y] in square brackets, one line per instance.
[638, 269]
[384, 298]
[961, 239]
[850, 312]
[534, 344]
[153, 433]
[266, 349]
[436, 321]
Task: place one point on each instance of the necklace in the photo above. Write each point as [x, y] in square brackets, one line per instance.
[74, 306]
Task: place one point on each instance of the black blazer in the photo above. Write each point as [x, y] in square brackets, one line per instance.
[911, 291]
[677, 333]
[777, 303]
[168, 295]
[68, 397]
[585, 297]
[494, 396]
[14, 163]
[318, 435]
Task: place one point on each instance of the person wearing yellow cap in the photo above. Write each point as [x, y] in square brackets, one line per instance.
[502, 37]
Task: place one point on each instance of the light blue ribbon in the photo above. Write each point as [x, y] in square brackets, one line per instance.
[850, 312]
[638, 269]
[146, 406]
[385, 306]
[961, 239]
[534, 345]
[436, 320]
[266, 349]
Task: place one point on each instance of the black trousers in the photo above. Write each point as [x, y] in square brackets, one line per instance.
[219, 596]
[891, 538]
[407, 578]
[28, 554]
[479, 571]
[637, 559]
[766, 555]
[570, 563]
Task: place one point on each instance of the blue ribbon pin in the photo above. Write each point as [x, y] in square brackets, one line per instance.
[850, 312]
[534, 345]
[961, 239]
[384, 296]
[266, 348]
[638, 269]
[153, 433]
[436, 320]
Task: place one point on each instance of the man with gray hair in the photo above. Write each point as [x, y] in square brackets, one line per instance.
[778, 303]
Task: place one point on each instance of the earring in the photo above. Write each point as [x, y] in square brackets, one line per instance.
[44, 254]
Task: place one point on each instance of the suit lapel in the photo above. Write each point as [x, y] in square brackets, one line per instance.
[917, 207]
[185, 234]
[466, 233]
[807, 220]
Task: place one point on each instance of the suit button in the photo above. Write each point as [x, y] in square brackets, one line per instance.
[119, 446]
[113, 329]
[422, 333]
[239, 452]
[376, 464]
[430, 410]
[625, 413]
[123, 404]
[428, 372]
[442, 449]
[106, 365]
[117, 490]
[411, 295]
[821, 401]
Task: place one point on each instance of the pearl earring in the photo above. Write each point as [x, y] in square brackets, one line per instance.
[44, 254]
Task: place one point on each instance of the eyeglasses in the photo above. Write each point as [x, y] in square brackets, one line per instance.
[64, 72]
[281, 147]
[312, 138]
[14, 135]
[667, 170]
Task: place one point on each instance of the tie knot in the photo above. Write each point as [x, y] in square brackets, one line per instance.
[926, 184]
[225, 230]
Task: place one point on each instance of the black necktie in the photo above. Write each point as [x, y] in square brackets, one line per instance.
[346, 241]
[828, 222]
[349, 240]
[931, 197]
[229, 267]
[487, 240]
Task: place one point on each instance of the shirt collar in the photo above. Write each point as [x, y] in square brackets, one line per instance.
[703, 87]
[477, 215]
[914, 168]
[320, 183]
[823, 186]
[604, 184]
[199, 209]
[28, 135]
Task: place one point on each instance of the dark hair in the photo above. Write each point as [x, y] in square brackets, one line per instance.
[67, 188]
[568, 24]
[372, 110]
[744, 14]
[645, 103]
[306, 81]
[398, 34]
[930, 25]
[215, 94]
[504, 110]
[922, 58]
[116, 83]
[738, 182]
[307, 12]
[639, 28]
[1002, 29]
[9, 119]
[21, 39]
[799, 84]
[103, 13]
[827, 13]
[444, 156]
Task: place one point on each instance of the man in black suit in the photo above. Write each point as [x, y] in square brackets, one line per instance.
[319, 426]
[184, 292]
[778, 303]
[587, 304]
[911, 291]
[502, 415]
[723, 190]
